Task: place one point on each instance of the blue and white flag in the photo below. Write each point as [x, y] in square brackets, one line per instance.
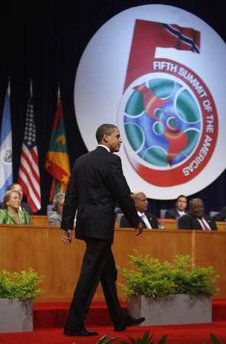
[6, 169]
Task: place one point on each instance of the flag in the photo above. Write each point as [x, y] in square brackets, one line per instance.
[29, 177]
[6, 169]
[147, 37]
[57, 159]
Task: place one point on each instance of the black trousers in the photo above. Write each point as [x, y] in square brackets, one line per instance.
[98, 266]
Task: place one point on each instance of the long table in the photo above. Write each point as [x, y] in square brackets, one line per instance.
[40, 247]
[163, 223]
[172, 224]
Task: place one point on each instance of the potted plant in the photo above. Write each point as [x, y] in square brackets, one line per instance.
[146, 339]
[17, 291]
[169, 293]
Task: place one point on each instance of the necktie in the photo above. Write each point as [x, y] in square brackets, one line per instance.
[204, 225]
[146, 221]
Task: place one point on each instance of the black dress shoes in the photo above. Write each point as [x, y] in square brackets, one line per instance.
[127, 323]
[80, 332]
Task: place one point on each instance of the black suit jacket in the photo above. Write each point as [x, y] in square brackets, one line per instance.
[172, 214]
[221, 216]
[189, 221]
[96, 183]
[124, 222]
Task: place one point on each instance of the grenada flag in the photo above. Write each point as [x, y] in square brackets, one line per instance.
[57, 159]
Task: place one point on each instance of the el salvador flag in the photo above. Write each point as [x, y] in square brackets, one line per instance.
[6, 170]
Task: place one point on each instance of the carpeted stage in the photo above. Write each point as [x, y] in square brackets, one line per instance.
[49, 319]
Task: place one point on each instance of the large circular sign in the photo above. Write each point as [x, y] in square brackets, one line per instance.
[158, 73]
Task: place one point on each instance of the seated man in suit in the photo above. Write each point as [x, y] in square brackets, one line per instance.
[196, 218]
[221, 216]
[179, 209]
[141, 204]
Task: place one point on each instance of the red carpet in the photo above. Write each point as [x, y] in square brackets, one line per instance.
[49, 318]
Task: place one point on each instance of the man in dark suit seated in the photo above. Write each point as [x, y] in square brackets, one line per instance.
[141, 204]
[221, 216]
[196, 218]
[179, 209]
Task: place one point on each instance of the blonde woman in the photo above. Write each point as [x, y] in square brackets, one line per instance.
[12, 213]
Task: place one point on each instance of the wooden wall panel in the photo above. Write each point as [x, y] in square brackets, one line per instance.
[209, 250]
[39, 219]
[41, 248]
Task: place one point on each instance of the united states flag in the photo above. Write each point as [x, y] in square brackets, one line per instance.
[29, 177]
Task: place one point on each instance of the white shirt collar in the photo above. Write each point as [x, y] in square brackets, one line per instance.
[100, 145]
[207, 227]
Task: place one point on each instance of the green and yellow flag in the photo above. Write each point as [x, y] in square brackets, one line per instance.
[57, 159]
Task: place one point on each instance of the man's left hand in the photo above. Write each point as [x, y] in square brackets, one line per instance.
[66, 237]
[140, 228]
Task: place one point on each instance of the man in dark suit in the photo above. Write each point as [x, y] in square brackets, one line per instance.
[141, 204]
[221, 216]
[196, 218]
[96, 183]
[179, 209]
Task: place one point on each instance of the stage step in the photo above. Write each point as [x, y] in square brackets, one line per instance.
[53, 314]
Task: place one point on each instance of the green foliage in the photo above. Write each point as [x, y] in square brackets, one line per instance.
[146, 339]
[106, 340]
[153, 278]
[22, 285]
[214, 339]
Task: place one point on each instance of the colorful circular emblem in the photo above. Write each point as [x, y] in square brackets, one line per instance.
[158, 73]
[169, 132]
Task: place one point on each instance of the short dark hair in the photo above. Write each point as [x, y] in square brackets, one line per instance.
[194, 200]
[104, 129]
[177, 199]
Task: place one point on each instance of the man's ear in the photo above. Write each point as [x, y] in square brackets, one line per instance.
[105, 138]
